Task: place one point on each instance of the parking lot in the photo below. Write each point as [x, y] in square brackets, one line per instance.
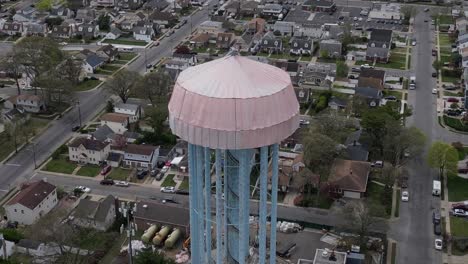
[307, 241]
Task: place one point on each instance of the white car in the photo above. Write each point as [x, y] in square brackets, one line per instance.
[360, 19]
[405, 196]
[168, 189]
[438, 244]
[413, 43]
[63, 43]
[83, 189]
[434, 91]
[460, 212]
[121, 183]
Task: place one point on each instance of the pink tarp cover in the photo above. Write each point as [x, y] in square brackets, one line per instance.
[233, 103]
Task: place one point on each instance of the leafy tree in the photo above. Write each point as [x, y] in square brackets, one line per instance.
[319, 153]
[14, 68]
[456, 58]
[157, 117]
[402, 143]
[334, 125]
[53, 21]
[324, 54]
[437, 64]
[155, 87]
[182, 49]
[341, 69]
[109, 106]
[148, 256]
[44, 5]
[443, 156]
[104, 22]
[408, 12]
[123, 84]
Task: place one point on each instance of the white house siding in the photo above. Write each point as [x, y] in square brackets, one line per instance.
[146, 38]
[25, 216]
[133, 115]
[143, 161]
[82, 155]
[118, 128]
[351, 194]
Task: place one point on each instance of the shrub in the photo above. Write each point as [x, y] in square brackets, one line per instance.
[11, 234]
[61, 150]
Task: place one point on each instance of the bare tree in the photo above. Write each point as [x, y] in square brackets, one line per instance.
[359, 220]
[400, 144]
[14, 68]
[70, 69]
[155, 87]
[123, 84]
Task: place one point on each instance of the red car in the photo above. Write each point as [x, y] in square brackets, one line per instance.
[453, 100]
[106, 170]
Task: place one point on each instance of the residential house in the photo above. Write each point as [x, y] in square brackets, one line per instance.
[87, 31]
[212, 27]
[319, 74]
[28, 102]
[371, 95]
[114, 159]
[162, 18]
[356, 55]
[319, 5]
[330, 47]
[284, 27]
[291, 67]
[273, 10]
[130, 4]
[336, 103]
[34, 200]
[99, 215]
[200, 40]
[13, 116]
[103, 3]
[389, 11]
[191, 59]
[284, 178]
[224, 40]
[13, 28]
[271, 44]
[25, 15]
[143, 33]
[150, 212]
[331, 31]
[62, 31]
[103, 134]
[114, 33]
[109, 52]
[117, 122]
[176, 65]
[85, 15]
[349, 178]
[140, 156]
[248, 8]
[372, 78]
[302, 94]
[378, 46]
[36, 29]
[92, 62]
[62, 12]
[256, 25]
[88, 151]
[134, 111]
[461, 25]
[159, 5]
[301, 46]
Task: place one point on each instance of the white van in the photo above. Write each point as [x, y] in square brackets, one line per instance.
[436, 188]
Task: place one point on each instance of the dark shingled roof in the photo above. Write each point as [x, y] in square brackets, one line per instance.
[383, 35]
[163, 213]
[379, 74]
[140, 149]
[350, 174]
[91, 144]
[28, 243]
[32, 194]
[96, 210]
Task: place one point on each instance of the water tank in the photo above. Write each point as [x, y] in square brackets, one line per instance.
[161, 235]
[172, 239]
[149, 234]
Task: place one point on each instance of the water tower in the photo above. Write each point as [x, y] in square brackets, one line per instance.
[229, 110]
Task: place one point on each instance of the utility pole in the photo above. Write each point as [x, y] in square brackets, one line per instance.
[79, 111]
[127, 210]
[34, 154]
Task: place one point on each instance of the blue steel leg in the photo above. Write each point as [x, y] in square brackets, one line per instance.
[225, 207]
[245, 165]
[274, 202]
[208, 204]
[263, 203]
[232, 197]
[200, 205]
[219, 209]
[194, 232]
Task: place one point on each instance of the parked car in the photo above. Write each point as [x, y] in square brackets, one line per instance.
[434, 91]
[182, 192]
[453, 100]
[377, 164]
[413, 43]
[141, 173]
[405, 196]
[437, 230]
[170, 189]
[391, 98]
[107, 182]
[463, 170]
[82, 189]
[436, 217]
[169, 199]
[460, 212]
[434, 74]
[154, 172]
[122, 183]
[426, 9]
[75, 128]
[438, 244]
[106, 170]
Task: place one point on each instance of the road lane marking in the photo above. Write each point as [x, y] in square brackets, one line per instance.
[1, 190]
[13, 164]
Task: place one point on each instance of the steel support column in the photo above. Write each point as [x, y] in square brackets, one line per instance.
[219, 209]
[225, 206]
[274, 202]
[207, 155]
[245, 165]
[200, 204]
[194, 232]
[263, 204]
[232, 196]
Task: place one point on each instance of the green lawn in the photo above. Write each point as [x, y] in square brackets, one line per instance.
[110, 68]
[459, 226]
[445, 58]
[445, 19]
[397, 94]
[89, 171]
[397, 61]
[126, 42]
[119, 62]
[451, 79]
[377, 208]
[462, 153]
[446, 50]
[127, 56]
[185, 184]
[87, 85]
[447, 93]
[119, 174]
[455, 123]
[444, 40]
[103, 72]
[60, 165]
[457, 188]
[168, 181]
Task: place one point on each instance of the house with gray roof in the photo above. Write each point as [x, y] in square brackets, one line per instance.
[85, 15]
[284, 27]
[13, 28]
[87, 31]
[99, 215]
[108, 51]
[92, 62]
[336, 103]
[319, 74]
[114, 33]
[271, 43]
[27, 14]
[371, 95]
[62, 31]
[156, 5]
[103, 133]
[130, 4]
[378, 46]
[331, 47]
[36, 29]
[301, 46]
[143, 33]
[62, 12]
